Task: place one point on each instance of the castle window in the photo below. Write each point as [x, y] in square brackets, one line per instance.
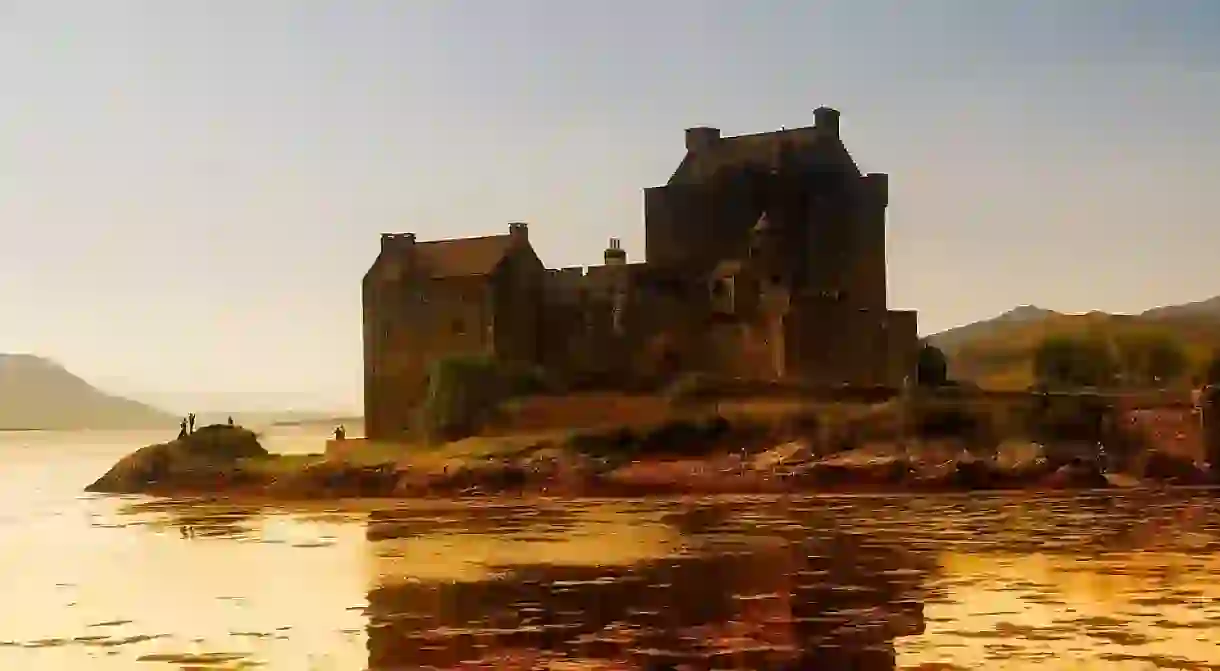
[459, 327]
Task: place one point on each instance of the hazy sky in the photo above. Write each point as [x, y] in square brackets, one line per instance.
[190, 191]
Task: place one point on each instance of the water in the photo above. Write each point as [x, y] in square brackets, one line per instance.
[1012, 582]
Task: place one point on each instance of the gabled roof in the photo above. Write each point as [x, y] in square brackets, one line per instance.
[461, 257]
[805, 147]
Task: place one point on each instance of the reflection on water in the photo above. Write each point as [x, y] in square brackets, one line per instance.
[997, 582]
[624, 587]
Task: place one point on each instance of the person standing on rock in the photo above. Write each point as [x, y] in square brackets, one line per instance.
[191, 420]
[182, 428]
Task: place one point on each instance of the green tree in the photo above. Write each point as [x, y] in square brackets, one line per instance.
[931, 368]
[1074, 361]
[1150, 358]
[1211, 374]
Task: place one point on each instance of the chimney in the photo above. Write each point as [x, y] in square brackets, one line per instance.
[701, 138]
[395, 241]
[826, 120]
[614, 255]
[519, 232]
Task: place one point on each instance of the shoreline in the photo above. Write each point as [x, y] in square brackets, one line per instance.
[325, 481]
[169, 496]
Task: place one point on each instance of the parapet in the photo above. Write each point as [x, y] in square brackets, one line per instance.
[519, 231]
[392, 241]
[826, 120]
[701, 138]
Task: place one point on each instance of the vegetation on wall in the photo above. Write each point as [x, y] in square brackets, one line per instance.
[464, 392]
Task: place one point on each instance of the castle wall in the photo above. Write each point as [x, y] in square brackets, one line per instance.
[902, 345]
[739, 349]
[868, 265]
[413, 321]
[517, 297]
[831, 342]
[698, 225]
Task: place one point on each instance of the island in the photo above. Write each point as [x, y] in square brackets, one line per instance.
[753, 350]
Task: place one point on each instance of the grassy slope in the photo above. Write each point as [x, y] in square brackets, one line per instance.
[1000, 357]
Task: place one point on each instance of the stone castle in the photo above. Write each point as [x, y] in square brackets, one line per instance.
[765, 259]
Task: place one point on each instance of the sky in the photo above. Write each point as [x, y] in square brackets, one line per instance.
[190, 191]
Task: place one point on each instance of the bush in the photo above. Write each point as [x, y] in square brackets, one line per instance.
[931, 369]
[1067, 418]
[1067, 361]
[690, 388]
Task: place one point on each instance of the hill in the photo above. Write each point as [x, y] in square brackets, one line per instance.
[36, 393]
[997, 353]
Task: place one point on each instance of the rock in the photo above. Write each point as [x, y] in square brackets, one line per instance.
[1019, 455]
[1174, 469]
[1078, 475]
[205, 459]
[796, 452]
[847, 470]
[336, 479]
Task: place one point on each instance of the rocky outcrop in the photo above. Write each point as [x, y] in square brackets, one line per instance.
[208, 459]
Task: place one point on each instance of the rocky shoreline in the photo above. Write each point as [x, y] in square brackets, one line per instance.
[228, 462]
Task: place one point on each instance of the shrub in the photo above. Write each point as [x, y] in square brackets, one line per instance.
[931, 368]
[690, 388]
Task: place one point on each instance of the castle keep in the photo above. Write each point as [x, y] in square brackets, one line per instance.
[764, 258]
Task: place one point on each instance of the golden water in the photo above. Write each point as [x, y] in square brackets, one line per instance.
[997, 582]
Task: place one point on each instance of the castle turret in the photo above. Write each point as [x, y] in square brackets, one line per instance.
[826, 120]
[614, 254]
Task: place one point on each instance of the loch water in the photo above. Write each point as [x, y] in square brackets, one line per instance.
[1081, 581]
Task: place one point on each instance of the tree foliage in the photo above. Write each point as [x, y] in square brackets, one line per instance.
[931, 368]
[1211, 374]
[1068, 361]
[1151, 358]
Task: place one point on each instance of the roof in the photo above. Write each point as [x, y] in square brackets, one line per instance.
[461, 257]
[806, 147]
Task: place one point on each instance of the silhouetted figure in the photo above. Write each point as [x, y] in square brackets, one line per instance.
[182, 428]
[340, 432]
[230, 420]
[191, 419]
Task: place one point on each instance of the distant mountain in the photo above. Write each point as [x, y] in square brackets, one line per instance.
[955, 337]
[998, 352]
[36, 393]
[1207, 309]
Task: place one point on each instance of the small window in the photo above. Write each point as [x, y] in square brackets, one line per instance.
[459, 327]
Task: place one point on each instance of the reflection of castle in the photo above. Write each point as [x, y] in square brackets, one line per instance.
[836, 602]
[765, 258]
